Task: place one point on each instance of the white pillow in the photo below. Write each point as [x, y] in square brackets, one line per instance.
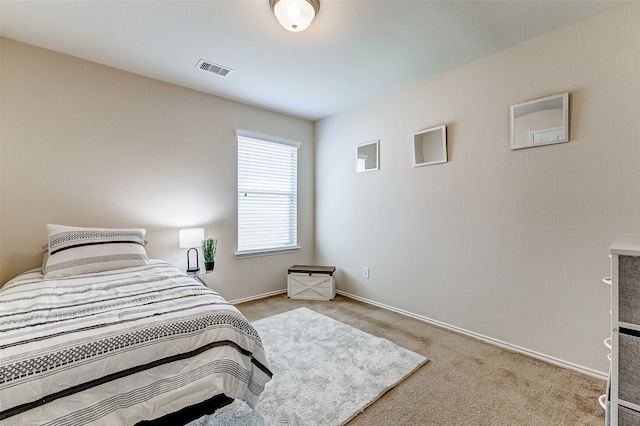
[74, 250]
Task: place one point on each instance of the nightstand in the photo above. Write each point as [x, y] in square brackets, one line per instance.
[199, 275]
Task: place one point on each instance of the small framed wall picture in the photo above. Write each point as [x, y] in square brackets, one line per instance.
[430, 146]
[368, 156]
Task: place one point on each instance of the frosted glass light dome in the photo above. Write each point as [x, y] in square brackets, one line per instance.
[295, 15]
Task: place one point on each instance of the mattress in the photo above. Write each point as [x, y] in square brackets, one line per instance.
[120, 347]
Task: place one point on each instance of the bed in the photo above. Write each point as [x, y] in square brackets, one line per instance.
[125, 342]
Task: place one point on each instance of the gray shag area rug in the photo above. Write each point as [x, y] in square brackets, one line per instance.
[325, 372]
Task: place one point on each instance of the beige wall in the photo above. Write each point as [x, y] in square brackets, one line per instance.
[506, 244]
[88, 145]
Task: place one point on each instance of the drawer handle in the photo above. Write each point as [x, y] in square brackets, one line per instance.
[607, 280]
[609, 356]
[607, 342]
[603, 401]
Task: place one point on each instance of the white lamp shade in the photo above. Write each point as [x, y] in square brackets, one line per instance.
[191, 237]
[294, 15]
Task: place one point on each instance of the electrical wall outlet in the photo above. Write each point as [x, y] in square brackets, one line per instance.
[365, 272]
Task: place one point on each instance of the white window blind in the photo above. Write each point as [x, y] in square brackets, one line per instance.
[267, 196]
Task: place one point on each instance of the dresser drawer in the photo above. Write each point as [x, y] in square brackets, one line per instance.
[629, 289]
[628, 417]
[629, 366]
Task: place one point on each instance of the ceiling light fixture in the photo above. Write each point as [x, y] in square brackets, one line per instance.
[295, 15]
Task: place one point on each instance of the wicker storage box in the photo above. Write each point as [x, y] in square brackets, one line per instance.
[311, 282]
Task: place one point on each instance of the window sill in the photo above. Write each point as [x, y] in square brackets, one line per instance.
[266, 252]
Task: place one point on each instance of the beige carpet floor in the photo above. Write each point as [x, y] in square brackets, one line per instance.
[465, 382]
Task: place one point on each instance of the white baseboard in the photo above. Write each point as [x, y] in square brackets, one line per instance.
[260, 296]
[490, 340]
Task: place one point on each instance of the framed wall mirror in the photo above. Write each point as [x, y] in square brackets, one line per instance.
[543, 121]
[430, 146]
[367, 156]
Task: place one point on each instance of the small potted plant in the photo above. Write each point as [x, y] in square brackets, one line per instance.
[209, 247]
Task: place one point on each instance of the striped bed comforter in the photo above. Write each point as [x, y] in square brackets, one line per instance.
[119, 347]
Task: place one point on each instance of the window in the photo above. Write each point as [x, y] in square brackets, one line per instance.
[267, 196]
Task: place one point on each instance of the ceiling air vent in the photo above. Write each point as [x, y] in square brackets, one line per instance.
[213, 68]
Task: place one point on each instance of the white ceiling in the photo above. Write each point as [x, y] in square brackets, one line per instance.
[353, 52]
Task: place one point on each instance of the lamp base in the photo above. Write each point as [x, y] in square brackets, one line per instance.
[195, 269]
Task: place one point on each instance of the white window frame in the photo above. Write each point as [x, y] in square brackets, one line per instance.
[285, 185]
